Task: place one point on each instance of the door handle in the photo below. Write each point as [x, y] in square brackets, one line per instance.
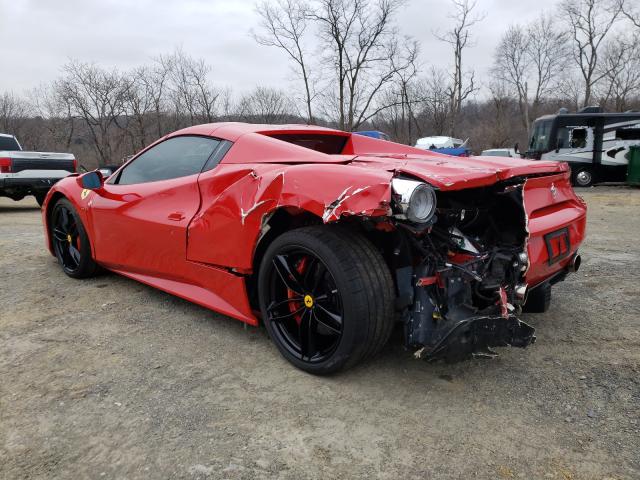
[176, 216]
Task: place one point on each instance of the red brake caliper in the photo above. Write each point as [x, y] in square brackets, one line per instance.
[293, 306]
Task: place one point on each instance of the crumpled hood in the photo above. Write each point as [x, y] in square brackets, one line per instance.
[453, 173]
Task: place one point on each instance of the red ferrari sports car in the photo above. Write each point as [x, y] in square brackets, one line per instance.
[329, 238]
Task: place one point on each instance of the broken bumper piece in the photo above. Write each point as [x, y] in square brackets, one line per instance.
[475, 336]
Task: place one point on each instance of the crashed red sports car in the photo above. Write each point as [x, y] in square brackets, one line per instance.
[329, 238]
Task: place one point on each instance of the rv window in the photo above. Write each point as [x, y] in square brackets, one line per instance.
[579, 138]
[628, 134]
[563, 137]
[540, 136]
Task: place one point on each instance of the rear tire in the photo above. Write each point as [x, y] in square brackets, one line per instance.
[583, 177]
[332, 271]
[70, 241]
[538, 299]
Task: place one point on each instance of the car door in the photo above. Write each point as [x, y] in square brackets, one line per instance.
[140, 217]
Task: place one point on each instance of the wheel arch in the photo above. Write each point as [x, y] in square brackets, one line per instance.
[56, 196]
[275, 223]
[284, 219]
[47, 211]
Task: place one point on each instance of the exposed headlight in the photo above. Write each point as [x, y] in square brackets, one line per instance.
[523, 259]
[415, 201]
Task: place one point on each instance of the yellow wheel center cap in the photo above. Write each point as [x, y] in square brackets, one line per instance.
[308, 301]
[69, 238]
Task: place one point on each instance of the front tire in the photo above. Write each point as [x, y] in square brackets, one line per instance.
[70, 241]
[326, 297]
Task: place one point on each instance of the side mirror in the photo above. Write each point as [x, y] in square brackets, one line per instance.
[91, 180]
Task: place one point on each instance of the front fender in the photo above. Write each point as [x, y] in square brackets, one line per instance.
[69, 189]
[237, 198]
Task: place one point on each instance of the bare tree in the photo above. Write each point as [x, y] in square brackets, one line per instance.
[529, 60]
[284, 24]
[265, 105]
[14, 112]
[57, 112]
[436, 102]
[512, 67]
[97, 96]
[154, 81]
[139, 104]
[590, 22]
[459, 37]
[363, 50]
[631, 11]
[548, 53]
[191, 95]
[620, 67]
[501, 132]
[403, 100]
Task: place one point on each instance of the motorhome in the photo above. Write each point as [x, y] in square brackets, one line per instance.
[593, 143]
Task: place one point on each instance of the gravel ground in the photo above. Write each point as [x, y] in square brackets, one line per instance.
[107, 378]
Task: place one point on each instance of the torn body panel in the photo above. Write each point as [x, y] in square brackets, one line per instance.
[478, 260]
[236, 199]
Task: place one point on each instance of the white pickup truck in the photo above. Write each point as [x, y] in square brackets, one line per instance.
[30, 173]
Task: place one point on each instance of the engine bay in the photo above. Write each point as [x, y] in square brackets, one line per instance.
[466, 284]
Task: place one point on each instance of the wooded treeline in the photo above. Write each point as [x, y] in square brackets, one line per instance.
[355, 70]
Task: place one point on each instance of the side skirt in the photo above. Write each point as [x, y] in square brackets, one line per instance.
[230, 300]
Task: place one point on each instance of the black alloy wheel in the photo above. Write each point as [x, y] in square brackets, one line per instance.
[305, 307]
[326, 298]
[70, 241]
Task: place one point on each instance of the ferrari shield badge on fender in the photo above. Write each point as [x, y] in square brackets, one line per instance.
[84, 193]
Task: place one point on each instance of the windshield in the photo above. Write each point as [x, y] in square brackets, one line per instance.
[540, 136]
[9, 144]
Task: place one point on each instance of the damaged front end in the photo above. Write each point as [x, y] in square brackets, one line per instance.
[460, 260]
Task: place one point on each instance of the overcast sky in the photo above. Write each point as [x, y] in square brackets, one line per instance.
[38, 36]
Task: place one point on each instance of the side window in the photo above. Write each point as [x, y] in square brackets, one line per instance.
[579, 138]
[563, 137]
[173, 158]
[632, 133]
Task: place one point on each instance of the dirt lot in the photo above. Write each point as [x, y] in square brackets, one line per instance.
[108, 378]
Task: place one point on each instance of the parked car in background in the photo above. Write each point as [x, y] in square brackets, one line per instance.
[374, 134]
[329, 237]
[446, 145]
[500, 152]
[593, 143]
[107, 170]
[30, 173]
